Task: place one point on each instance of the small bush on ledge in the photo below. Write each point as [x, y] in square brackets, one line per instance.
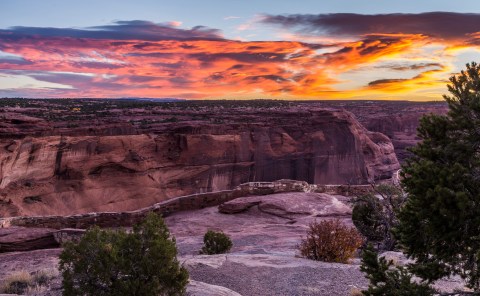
[330, 241]
[216, 243]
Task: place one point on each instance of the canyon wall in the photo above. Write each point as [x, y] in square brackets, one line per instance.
[399, 122]
[79, 172]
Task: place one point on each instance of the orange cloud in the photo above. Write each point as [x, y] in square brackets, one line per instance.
[161, 60]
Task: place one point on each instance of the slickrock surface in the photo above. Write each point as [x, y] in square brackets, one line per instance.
[273, 275]
[49, 168]
[276, 229]
[264, 259]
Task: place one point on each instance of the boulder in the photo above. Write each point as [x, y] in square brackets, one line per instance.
[290, 205]
[238, 205]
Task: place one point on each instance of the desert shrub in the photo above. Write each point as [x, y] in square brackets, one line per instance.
[114, 262]
[375, 215]
[330, 241]
[216, 243]
[23, 282]
[386, 279]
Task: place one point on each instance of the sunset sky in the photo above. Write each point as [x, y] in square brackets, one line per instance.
[232, 49]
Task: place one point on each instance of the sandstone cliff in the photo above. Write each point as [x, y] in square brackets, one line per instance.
[398, 120]
[74, 171]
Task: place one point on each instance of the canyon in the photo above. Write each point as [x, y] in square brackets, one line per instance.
[261, 171]
[63, 159]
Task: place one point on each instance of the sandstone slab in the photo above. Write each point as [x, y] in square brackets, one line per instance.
[196, 288]
[290, 205]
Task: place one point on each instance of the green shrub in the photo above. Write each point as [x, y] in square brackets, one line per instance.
[330, 241]
[367, 217]
[108, 262]
[216, 243]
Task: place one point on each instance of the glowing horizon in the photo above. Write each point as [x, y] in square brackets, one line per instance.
[309, 56]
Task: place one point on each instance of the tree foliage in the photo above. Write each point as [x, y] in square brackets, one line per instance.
[114, 262]
[439, 225]
[388, 280]
[375, 215]
[216, 242]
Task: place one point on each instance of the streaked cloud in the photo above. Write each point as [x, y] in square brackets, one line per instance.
[231, 17]
[120, 30]
[444, 25]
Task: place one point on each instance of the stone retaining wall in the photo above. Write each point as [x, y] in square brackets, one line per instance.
[182, 203]
[67, 235]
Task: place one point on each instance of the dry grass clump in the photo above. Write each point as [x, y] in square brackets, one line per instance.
[23, 282]
[17, 283]
[330, 241]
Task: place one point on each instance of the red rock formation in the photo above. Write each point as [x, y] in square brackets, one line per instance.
[401, 125]
[77, 174]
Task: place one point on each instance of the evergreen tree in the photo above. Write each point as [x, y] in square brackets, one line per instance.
[108, 262]
[387, 280]
[439, 225]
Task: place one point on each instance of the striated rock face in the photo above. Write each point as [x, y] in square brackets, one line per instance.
[82, 173]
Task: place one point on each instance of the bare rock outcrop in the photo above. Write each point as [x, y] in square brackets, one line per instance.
[290, 205]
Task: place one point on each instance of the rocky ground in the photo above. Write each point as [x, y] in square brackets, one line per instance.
[264, 259]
